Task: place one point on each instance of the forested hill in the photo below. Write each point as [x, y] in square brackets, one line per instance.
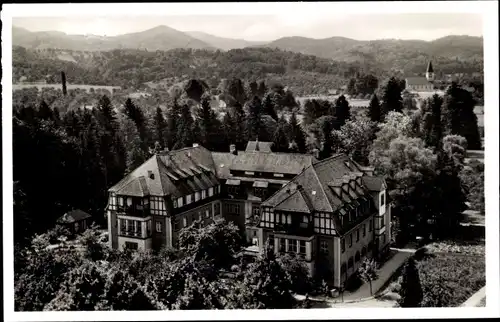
[304, 74]
[389, 53]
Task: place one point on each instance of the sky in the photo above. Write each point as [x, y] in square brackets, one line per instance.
[316, 24]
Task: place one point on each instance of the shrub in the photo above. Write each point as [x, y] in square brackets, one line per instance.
[411, 290]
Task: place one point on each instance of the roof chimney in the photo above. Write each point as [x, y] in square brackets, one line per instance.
[316, 153]
[232, 149]
[195, 145]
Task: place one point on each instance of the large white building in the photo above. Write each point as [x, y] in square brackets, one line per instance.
[332, 213]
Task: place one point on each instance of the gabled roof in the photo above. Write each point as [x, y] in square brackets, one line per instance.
[73, 216]
[176, 173]
[296, 202]
[417, 81]
[319, 182]
[285, 163]
[253, 146]
[374, 183]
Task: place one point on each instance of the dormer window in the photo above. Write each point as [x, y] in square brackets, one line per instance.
[279, 175]
[151, 175]
[249, 173]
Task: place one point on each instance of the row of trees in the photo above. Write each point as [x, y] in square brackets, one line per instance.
[192, 276]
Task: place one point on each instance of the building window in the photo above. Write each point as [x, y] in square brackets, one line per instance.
[343, 268]
[357, 235]
[255, 241]
[342, 245]
[292, 246]
[256, 212]
[279, 175]
[176, 224]
[158, 227]
[180, 201]
[131, 246]
[184, 222]
[363, 251]
[302, 247]
[324, 247]
[364, 230]
[382, 199]
[232, 209]
[289, 219]
[208, 213]
[350, 240]
[188, 199]
[196, 196]
[210, 191]
[383, 239]
[270, 238]
[260, 192]
[233, 190]
[370, 246]
[175, 203]
[282, 245]
[249, 173]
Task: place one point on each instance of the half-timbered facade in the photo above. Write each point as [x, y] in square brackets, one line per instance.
[329, 209]
[332, 213]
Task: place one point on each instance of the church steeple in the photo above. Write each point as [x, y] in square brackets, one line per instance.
[430, 72]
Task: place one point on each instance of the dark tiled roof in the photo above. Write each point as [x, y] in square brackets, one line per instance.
[223, 162]
[73, 216]
[253, 146]
[417, 81]
[175, 173]
[319, 182]
[374, 183]
[296, 201]
[286, 163]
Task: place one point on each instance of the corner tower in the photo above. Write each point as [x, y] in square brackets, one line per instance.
[429, 74]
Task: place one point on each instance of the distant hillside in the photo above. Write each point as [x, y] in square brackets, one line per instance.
[130, 68]
[390, 53]
[223, 43]
[158, 38]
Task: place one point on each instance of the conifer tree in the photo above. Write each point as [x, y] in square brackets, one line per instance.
[160, 127]
[374, 109]
[298, 134]
[172, 125]
[262, 90]
[269, 107]
[391, 99]
[342, 111]
[240, 128]
[44, 111]
[411, 290]
[280, 139]
[207, 124]
[458, 115]
[185, 129]
[254, 121]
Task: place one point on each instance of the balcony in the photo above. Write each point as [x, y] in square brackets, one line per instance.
[296, 229]
[134, 233]
[134, 211]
